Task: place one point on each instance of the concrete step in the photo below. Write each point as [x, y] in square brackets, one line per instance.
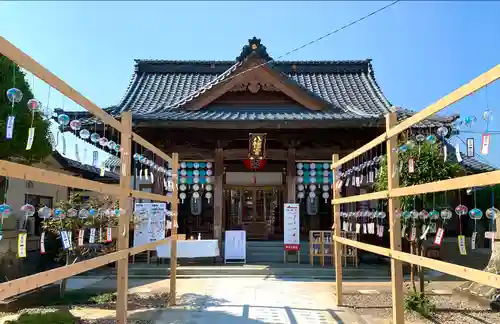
[248, 270]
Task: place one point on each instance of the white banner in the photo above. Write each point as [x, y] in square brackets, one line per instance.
[235, 246]
[151, 226]
[292, 227]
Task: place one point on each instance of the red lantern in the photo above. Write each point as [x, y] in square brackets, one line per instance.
[255, 164]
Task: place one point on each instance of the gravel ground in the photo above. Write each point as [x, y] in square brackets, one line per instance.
[449, 309]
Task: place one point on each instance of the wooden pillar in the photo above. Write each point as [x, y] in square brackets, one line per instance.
[174, 208]
[394, 224]
[218, 195]
[290, 176]
[125, 202]
[337, 229]
[158, 183]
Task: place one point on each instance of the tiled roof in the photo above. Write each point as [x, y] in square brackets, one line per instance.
[472, 163]
[159, 89]
[84, 168]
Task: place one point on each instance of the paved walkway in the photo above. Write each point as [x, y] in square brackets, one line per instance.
[252, 301]
[249, 301]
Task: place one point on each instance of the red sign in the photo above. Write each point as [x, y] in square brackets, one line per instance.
[292, 247]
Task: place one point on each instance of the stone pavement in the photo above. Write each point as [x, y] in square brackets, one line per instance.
[254, 300]
[249, 301]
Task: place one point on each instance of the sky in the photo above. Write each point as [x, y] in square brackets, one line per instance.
[421, 50]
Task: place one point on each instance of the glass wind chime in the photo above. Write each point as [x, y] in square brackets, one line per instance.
[195, 177]
[429, 220]
[313, 183]
[313, 177]
[96, 235]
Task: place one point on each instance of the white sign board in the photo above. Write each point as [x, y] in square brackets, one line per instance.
[150, 226]
[292, 227]
[235, 246]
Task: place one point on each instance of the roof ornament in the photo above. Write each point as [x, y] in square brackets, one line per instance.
[254, 45]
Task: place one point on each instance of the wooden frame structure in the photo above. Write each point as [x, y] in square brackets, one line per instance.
[123, 192]
[394, 192]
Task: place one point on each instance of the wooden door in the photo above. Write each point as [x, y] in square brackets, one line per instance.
[254, 209]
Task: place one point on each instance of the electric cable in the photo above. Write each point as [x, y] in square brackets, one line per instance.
[216, 80]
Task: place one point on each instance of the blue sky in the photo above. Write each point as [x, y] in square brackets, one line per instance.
[420, 50]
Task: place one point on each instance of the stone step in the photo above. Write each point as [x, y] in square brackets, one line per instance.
[237, 270]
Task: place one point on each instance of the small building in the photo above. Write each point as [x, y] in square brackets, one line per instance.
[21, 192]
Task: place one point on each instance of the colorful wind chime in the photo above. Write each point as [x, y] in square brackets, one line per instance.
[312, 177]
[96, 235]
[195, 176]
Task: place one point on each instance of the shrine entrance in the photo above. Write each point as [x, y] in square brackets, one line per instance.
[255, 209]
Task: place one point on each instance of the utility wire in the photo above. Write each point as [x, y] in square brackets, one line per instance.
[300, 47]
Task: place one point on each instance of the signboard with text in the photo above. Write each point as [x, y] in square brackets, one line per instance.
[235, 246]
[150, 222]
[291, 227]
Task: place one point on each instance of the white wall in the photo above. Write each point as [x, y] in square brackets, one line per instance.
[248, 178]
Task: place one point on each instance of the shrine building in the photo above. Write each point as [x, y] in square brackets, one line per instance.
[253, 133]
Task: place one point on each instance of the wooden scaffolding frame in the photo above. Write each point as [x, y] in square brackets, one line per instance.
[394, 192]
[124, 192]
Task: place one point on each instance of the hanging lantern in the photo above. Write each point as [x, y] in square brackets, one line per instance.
[254, 164]
[257, 146]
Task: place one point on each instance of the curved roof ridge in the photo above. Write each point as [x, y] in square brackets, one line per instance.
[167, 61]
[376, 87]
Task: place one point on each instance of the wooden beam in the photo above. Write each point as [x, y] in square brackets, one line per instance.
[481, 81]
[476, 180]
[218, 195]
[25, 61]
[337, 232]
[20, 171]
[398, 316]
[479, 276]
[24, 284]
[460, 93]
[174, 207]
[365, 148]
[151, 196]
[124, 220]
[141, 141]
[365, 197]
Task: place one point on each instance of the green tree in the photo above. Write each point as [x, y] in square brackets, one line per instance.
[429, 166]
[15, 149]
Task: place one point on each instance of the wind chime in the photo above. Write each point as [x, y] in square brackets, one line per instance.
[195, 177]
[313, 177]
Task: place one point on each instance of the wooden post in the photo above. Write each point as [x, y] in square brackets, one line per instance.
[337, 232]
[174, 207]
[394, 224]
[218, 196]
[290, 176]
[124, 220]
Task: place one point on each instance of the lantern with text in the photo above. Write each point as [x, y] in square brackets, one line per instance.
[257, 146]
[255, 165]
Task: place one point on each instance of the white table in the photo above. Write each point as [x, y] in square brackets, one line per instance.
[190, 249]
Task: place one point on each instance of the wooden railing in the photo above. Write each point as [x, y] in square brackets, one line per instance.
[123, 191]
[394, 192]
